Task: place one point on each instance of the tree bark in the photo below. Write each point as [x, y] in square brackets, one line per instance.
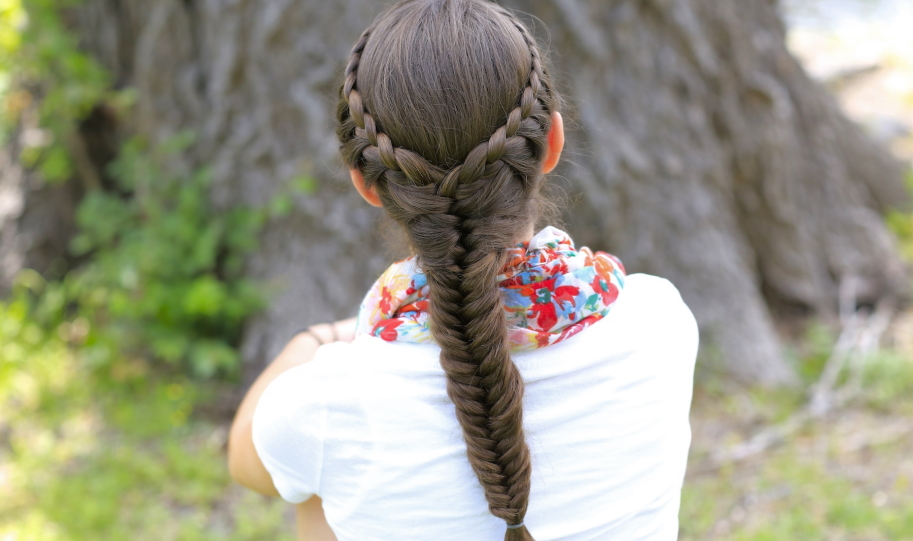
[36, 218]
[702, 153]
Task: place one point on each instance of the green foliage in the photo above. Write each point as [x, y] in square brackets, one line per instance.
[119, 457]
[101, 368]
[103, 443]
[44, 75]
[817, 347]
[888, 382]
[793, 497]
[160, 269]
[162, 272]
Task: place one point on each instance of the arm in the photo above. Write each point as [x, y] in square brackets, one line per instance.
[311, 523]
[244, 465]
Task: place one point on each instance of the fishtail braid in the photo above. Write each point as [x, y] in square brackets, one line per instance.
[460, 221]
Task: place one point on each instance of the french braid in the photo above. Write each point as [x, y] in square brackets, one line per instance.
[460, 221]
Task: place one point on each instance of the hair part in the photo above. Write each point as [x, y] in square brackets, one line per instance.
[446, 109]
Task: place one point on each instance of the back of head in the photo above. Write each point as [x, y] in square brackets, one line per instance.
[446, 110]
[440, 77]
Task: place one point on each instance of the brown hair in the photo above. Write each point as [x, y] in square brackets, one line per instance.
[446, 110]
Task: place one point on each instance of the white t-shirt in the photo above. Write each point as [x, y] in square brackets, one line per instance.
[368, 427]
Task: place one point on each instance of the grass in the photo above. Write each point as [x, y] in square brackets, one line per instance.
[846, 477]
[90, 455]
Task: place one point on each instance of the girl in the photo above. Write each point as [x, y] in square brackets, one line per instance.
[499, 383]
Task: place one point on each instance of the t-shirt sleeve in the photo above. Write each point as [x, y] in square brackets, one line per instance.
[289, 428]
[681, 328]
[677, 343]
[667, 336]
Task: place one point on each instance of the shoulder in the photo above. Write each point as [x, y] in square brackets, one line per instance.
[649, 336]
[289, 427]
[294, 417]
[657, 367]
[654, 328]
[297, 401]
[656, 304]
[343, 373]
[305, 381]
[649, 289]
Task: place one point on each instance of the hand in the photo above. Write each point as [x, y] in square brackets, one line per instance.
[338, 331]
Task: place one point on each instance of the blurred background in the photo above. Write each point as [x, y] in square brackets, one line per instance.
[172, 209]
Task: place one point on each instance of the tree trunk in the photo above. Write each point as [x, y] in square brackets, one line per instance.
[702, 153]
[36, 218]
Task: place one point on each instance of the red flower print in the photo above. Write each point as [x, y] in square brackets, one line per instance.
[543, 307]
[610, 297]
[605, 289]
[417, 306]
[385, 301]
[577, 327]
[560, 267]
[567, 293]
[386, 329]
[546, 318]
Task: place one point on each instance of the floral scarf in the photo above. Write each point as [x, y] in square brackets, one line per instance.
[550, 292]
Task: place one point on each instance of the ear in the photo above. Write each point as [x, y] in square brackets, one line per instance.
[369, 194]
[555, 143]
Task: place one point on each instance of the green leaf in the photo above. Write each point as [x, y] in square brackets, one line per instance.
[55, 166]
[209, 356]
[280, 206]
[170, 345]
[205, 297]
[303, 184]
